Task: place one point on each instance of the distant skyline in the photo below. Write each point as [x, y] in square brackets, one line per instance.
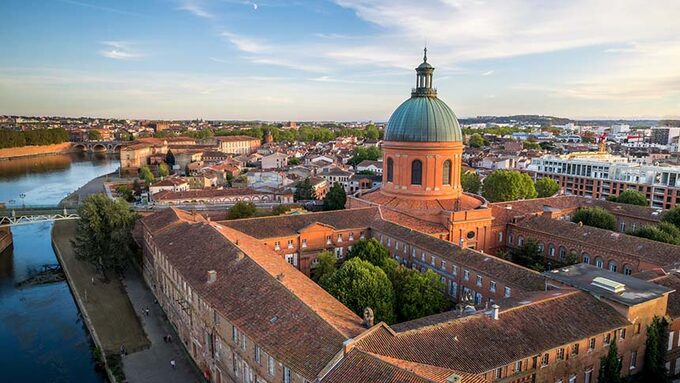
[339, 60]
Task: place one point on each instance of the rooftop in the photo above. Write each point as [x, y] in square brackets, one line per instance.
[613, 286]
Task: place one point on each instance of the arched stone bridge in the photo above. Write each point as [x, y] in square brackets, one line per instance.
[98, 146]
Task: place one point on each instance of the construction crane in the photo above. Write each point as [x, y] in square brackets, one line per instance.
[602, 143]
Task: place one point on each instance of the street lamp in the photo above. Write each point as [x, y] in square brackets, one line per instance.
[23, 203]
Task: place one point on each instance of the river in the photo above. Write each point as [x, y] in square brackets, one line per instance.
[42, 338]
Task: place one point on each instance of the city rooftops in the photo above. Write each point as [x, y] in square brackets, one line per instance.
[610, 285]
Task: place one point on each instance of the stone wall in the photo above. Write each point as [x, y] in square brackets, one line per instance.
[35, 150]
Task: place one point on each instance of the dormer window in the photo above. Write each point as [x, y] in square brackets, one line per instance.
[290, 243]
[328, 239]
[304, 243]
[339, 237]
[351, 236]
[277, 245]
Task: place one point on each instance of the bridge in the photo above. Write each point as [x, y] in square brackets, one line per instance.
[98, 146]
[32, 214]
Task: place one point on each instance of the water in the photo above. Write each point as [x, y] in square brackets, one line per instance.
[42, 338]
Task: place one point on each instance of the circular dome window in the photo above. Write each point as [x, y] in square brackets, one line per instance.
[470, 234]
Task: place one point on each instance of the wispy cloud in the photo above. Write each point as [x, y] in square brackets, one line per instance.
[196, 8]
[244, 43]
[99, 7]
[488, 73]
[118, 50]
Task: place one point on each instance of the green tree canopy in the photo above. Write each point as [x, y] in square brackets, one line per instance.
[335, 198]
[370, 250]
[359, 284]
[104, 233]
[596, 217]
[528, 255]
[94, 135]
[508, 185]
[663, 232]
[672, 216]
[476, 141]
[372, 132]
[361, 153]
[304, 190]
[546, 187]
[418, 294]
[163, 169]
[283, 208]
[13, 138]
[630, 197]
[146, 174]
[326, 267]
[292, 161]
[531, 145]
[654, 368]
[470, 182]
[610, 365]
[242, 209]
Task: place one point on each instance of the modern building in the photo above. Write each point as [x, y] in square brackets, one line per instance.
[664, 135]
[599, 175]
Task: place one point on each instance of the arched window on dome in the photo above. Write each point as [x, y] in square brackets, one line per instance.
[416, 173]
[446, 173]
[390, 169]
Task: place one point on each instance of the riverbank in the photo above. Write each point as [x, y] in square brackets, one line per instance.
[105, 307]
[94, 186]
[38, 150]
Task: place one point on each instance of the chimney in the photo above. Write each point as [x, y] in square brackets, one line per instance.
[212, 276]
[494, 311]
[368, 317]
[347, 346]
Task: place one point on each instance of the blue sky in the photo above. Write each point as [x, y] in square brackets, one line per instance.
[337, 60]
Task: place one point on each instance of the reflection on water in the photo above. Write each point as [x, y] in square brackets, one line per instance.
[42, 338]
[48, 179]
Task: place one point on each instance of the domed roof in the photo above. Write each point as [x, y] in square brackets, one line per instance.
[423, 119]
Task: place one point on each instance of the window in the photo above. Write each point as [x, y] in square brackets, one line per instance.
[479, 280]
[277, 245]
[518, 366]
[541, 247]
[633, 359]
[258, 354]
[466, 275]
[563, 253]
[627, 269]
[520, 241]
[389, 242]
[351, 236]
[622, 334]
[446, 173]
[390, 169]
[443, 265]
[551, 250]
[622, 227]
[670, 340]
[338, 252]
[588, 376]
[454, 269]
[599, 262]
[244, 341]
[591, 344]
[270, 366]
[607, 339]
[453, 288]
[433, 260]
[328, 240]
[492, 287]
[286, 375]
[574, 349]
[361, 236]
[637, 328]
[304, 243]
[290, 243]
[560, 354]
[416, 173]
[510, 239]
[586, 258]
[572, 378]
[339, 237]
[613, 266]
[234, 334]
[499, 372]
[500, 236]
[507, 292]
[545, 359]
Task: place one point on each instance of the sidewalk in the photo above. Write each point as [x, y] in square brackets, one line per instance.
[153, 364]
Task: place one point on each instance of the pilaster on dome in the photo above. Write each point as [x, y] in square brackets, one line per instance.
[424, 79]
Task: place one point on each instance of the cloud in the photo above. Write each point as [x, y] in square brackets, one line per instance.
[99, 8]
[196, 9]
[245, 44]
[118, 50]
[488, 73]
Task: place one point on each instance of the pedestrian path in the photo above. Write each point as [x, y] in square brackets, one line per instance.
[153, 364]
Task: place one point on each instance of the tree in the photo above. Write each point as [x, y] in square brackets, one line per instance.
[531, 145]
[163, 169]
[304, 190]
[361, 153]
[104, 233]
[292, 161]
[372, 133]
[326, 267]
[282, 209]
[146, 174]
[663, 232]
[335, 198]
[546, 187]
[370, 250]
[528, 255]
[126, 193]
[170, 158]
[610, 365]
[672, 216]
[418, 294]
[476, 141]
[596, 217]
[631, 197]
[358, 285]
[508, 185]
[470, 182]
[94, 135]
[242, 209]
[654, 368]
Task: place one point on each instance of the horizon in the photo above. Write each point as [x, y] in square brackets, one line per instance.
[342, 60]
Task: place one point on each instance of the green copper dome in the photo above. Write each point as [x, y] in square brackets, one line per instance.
[423, 117]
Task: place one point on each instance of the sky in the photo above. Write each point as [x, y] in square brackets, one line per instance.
[345, 60]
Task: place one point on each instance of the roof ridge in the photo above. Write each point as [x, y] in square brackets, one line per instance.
[305, 214]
